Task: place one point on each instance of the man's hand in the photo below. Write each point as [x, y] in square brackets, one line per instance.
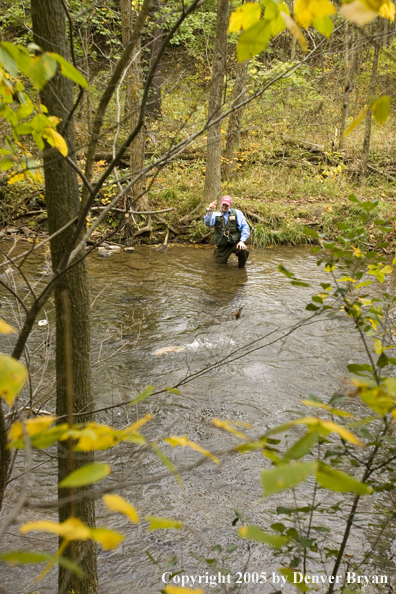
[241, 246]
[212, 205]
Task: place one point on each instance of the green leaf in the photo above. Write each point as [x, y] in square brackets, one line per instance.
[312, 307]
[382, 361]
[339, 481]
[162, 523]
[42, 69]
[324, 26]
[380, 108]
[173, 391]
[358, 369]
[70, 71]
[302, 447]
[13, 376]
[145, 394]
[23, 557]
[254, 40]
[311, 232]
[285, 271]
[286, 476]
[298, 283]
[7, 61]
[165, 460]
[91, 473]
[254, 533]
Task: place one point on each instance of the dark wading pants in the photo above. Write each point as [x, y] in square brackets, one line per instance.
[223, 252]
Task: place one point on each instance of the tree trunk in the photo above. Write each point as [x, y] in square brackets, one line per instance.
[288, 90]
[350, 71]
[212, 189]
[367, 131]
[154, 105]
[85, 35]
[134, 85]
[63, 203]
[234, 125]
[5, 456]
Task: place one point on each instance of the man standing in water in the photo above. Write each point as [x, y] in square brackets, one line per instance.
[230, 232]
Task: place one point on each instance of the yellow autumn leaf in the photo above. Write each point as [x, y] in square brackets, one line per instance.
[185, 442]
[226, 425]
[244, 17]
[6, 328]
[334, 411]
[306, 11]
[56, 140]
[387, 11]
[116, 503]
[378, 346]
[16, 177]
[136, 426]
[39, 177]
[95, 437]
[341, 431]
[180, 590]
[295, 30]
[32, 427]
[71, 529]
[108, 539]
[54, 120]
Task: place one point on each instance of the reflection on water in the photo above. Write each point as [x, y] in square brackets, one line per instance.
[148, 300]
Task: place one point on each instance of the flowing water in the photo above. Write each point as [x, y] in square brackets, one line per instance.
[253, 369]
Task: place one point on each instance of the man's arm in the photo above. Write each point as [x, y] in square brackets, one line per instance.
[210, 217]
[242, 225]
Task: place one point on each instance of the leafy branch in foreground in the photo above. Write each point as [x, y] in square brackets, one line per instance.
[351, 451]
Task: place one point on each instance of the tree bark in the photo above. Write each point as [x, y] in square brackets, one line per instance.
[212, 189]
[63, 204]
[350, 71]
[134, 85]
[154, 105]
[5, 456]
[367, 130]
[234, 124]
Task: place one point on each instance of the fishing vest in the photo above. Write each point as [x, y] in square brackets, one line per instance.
[226, 233]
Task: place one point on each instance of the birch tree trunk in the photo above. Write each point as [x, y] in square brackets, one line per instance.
[63, 204]
[212, 189]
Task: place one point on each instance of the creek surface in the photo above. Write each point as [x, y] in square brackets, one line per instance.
[145, 302]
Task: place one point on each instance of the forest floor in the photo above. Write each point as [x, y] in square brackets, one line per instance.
[288, 174]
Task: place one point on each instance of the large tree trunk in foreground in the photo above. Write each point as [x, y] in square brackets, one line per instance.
[212, 189]
[62, 200]
[134, 85]
[367, 130]
[234, 124]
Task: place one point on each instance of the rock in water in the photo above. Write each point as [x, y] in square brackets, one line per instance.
[103, 253]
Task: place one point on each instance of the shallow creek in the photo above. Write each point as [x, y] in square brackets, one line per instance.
[149, 300]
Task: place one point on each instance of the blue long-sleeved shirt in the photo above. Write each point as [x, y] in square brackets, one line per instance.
[242, 225]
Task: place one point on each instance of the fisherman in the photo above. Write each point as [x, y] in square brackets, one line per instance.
[230, 232]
